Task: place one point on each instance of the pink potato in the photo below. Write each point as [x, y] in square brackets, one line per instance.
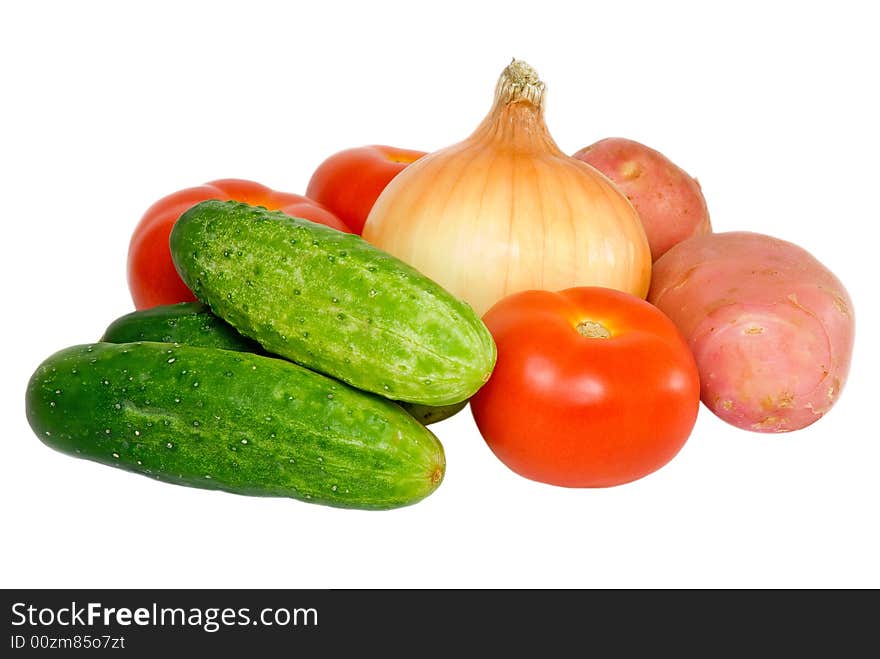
[666, 198]
[770, 327]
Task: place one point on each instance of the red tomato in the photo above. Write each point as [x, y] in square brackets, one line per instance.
[349, 182]
[592, 388]
[152, 278]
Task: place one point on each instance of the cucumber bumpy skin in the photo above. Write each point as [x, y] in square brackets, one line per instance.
[332, 302]
[193, 323]
[232, 421]
[189, 323]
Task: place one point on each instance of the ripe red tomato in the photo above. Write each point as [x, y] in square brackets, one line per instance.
[152, 278]
[349, 182]
[592, 387]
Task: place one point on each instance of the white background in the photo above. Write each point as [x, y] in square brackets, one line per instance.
[109, 106]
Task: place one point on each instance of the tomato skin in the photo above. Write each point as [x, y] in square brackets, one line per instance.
[576, 411]
[152, 278]
[349, 182]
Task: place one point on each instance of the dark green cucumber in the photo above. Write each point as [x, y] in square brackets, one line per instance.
[193, 323]
[190, 323]
[332, 302]
[428, 414]
[233, 421]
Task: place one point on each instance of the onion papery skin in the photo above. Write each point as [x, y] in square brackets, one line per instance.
[506, 211]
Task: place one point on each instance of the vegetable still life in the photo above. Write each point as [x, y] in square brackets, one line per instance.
[582, 306]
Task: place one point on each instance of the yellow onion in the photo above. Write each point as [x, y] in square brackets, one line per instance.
[506, 210]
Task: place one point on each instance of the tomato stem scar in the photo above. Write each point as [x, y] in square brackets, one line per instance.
[593, 330]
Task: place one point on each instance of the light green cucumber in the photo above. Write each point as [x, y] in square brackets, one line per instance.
[332, 302]
[193, 323]
[232, 421]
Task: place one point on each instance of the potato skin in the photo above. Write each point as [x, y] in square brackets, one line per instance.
[771, 328]
[669, 202]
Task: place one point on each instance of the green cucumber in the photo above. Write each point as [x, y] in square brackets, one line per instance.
[192, 323]
[428, 414]
[332, 302]
[233, 421]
